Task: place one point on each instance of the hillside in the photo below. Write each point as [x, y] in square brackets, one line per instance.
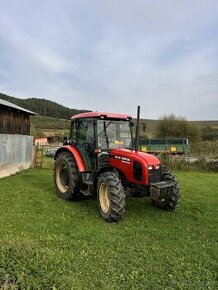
[202, 124]
[43, 107]
[49, 123]
[54, 117]
[151, 126]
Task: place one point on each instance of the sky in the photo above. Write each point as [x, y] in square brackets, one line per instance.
[112, 55]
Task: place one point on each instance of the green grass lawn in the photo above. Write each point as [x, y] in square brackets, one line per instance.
[49, 243]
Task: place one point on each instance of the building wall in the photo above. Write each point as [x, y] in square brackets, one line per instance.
[15, 149]
[13, 121]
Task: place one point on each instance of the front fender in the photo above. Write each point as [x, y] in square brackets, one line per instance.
[76, 154]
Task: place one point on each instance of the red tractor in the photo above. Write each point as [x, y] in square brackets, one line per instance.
[102, 157]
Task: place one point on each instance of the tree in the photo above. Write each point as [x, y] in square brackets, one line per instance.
[171, 126]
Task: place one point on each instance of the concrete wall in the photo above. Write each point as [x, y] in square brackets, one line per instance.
[15, 149]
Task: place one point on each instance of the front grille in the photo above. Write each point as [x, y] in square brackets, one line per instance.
[137, 171]
[154, 175]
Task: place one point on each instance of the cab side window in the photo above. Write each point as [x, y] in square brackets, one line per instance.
[73, 131]
[85, 132]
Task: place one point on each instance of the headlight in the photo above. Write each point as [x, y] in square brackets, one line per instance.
[157, 167]
[150, 167]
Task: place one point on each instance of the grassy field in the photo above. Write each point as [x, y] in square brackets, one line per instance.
[48, 243]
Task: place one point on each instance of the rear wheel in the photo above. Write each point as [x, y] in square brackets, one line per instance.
[173, 199]
[111, 197]
[66, 177]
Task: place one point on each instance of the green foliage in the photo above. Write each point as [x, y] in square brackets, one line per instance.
[171, 126]
[43, 122]
[185, 163]
[47, 126]
[48, 243]
[36, 131]
[205, 148]
[43, 107]
[203, 156]
[209, 133]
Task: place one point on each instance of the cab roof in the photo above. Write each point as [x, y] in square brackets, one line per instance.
[101, 115]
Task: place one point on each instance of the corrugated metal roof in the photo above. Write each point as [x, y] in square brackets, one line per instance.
[10, 105]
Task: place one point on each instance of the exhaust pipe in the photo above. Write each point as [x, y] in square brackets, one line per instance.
[137, 129]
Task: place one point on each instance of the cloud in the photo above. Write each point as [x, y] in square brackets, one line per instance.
[113, 55]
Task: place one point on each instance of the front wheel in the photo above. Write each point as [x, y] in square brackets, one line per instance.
[67, 179]
[111, 197]
[172, 201]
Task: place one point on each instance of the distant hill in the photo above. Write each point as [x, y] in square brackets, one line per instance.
[43, 107]
[49, 123]
[202, 124]
[54, 116]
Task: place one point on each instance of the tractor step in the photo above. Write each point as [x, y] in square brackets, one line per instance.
[88, 178]
[86, 191]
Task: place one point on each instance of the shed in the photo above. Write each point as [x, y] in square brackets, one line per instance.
[15, 140]
[14, 119]
[41, 141]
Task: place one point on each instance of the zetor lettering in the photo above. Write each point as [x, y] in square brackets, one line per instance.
[102, 158]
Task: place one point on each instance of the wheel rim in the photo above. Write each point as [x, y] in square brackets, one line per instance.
[104, 197]
[62, 177]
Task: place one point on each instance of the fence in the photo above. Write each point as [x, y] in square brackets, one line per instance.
[44, 156]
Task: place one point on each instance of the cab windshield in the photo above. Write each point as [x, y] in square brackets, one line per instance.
[114, 134]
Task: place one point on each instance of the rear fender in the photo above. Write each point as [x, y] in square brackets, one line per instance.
[76, 154]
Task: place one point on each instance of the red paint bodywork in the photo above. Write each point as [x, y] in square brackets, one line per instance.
[76, 154]
[101, 114]
[126, 167]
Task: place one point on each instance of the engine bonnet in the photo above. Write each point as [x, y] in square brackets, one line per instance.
[135, 155]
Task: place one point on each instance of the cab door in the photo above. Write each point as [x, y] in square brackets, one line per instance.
[82, 133]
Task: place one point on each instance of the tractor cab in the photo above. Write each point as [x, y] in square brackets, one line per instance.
[95, 134]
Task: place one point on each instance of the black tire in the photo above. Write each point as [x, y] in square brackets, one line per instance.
[66, 177]
[111, 197]
[173, 200]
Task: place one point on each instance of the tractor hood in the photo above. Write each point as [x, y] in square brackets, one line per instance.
[134, 164]
[133, 155]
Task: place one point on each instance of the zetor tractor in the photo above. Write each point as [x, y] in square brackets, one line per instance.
[102, 157]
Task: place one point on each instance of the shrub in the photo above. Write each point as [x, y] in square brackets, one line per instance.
[171, 126]
[210, 133]
[205, 148]
[185, 163]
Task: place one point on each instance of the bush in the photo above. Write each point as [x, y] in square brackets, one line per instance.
[171, 126]
[185, 163]
[210, 133]
[205, 148]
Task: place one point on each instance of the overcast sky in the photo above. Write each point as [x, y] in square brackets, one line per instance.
[112, 55]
